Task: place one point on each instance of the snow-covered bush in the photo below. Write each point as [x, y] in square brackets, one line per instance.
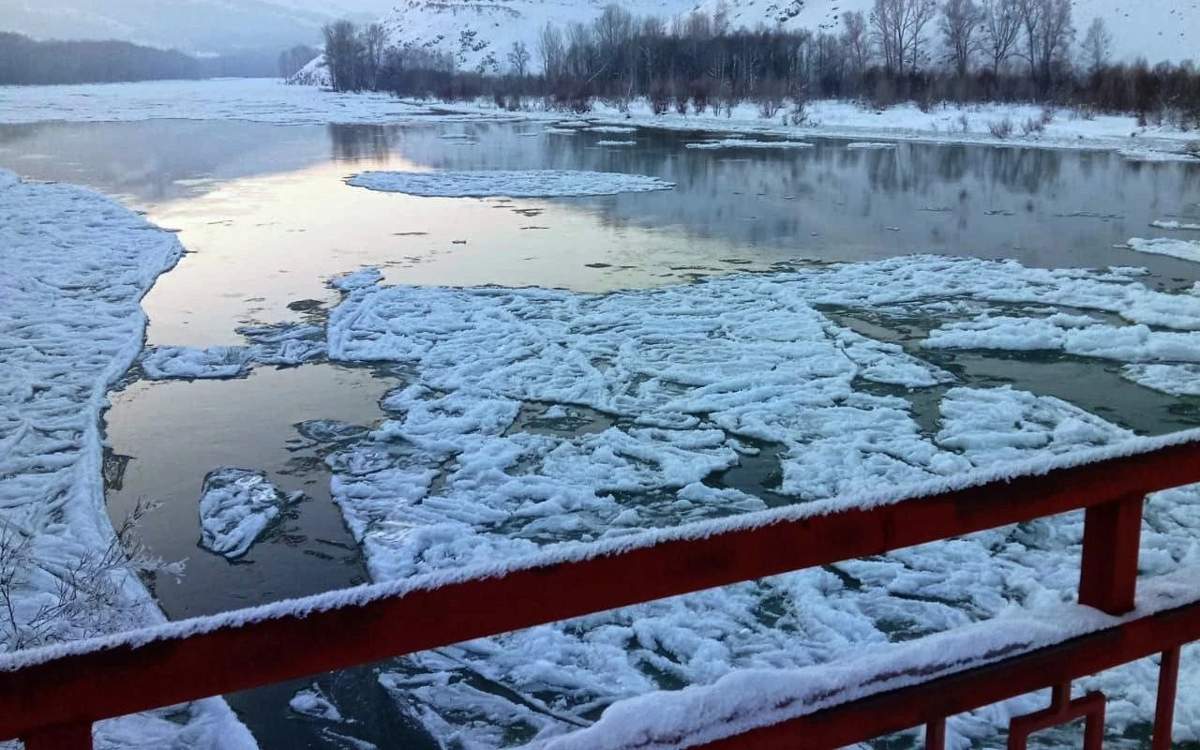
[1001, 128]
[87, 598]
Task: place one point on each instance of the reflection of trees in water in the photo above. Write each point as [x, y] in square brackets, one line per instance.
[363, 142]
[10, 134]
[1026, 170]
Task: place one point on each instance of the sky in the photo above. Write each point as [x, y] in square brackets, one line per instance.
[194, 26]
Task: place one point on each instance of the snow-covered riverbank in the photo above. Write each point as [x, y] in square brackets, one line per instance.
[271, 101]
[75, 266]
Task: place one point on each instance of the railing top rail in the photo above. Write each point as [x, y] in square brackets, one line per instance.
[194, 658]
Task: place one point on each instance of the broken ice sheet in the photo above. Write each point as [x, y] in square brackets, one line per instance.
[454, 476]
[236, 506]
[283, 344]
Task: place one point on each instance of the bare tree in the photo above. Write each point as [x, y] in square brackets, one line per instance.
[550, 48]
[1001, 27]
[1097, 45]
[856, 40]
[899, 31]
[518, 58]
[374, 42]
[961, 25]
[342, 55]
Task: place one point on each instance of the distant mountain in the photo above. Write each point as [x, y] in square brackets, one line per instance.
[193, 26]
[479, 33]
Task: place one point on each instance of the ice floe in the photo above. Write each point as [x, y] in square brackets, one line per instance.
[616, 143]
[694, 390]
[1182, 249]
[536, 183]
[1073, 334]
[236, 506]
[286, 344]
[747, 143]
[1176, 380]
[864, 145]
[313, 703]
[162, 362]
[75, 268]
[1175, 225]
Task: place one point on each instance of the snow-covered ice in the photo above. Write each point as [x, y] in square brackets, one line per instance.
[692, 390]
[746, 143]
[1176, 380]
[534, 183]
[253, 99]
[1182, 249]
[76, 266]
[1175, 225]
[162, 362]
[314, 703]
[611, 129]
[236, 507]
[285, 344]
[1074, 334]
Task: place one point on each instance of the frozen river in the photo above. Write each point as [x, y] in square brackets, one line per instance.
[268, 220]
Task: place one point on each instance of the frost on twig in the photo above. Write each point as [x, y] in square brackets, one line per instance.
[86, 596]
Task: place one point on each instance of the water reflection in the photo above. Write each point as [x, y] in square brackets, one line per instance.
[1043, 207]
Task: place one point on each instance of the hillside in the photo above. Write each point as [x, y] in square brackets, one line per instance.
[193, 26]
[479, 33]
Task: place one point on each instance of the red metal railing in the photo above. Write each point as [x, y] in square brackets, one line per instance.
[51, 700]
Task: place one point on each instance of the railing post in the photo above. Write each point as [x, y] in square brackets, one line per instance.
[1164, 710]
[63, 737]
[1108, 571]
[935, 734]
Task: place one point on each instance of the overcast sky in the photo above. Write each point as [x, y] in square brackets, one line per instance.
[198, 26]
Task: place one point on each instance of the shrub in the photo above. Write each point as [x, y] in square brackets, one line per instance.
[1001, 128]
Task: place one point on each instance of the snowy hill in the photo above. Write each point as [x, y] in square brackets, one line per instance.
[479, 33]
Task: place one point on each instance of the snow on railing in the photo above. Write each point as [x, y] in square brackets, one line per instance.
[51, 696]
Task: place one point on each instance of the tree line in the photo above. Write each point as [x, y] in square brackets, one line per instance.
[25, 61]
[902, 50]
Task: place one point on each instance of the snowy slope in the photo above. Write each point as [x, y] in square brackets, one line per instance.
[479, 33]
[1156, 29]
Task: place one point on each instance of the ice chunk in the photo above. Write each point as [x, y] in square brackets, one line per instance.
[1176, 380]
[547, 183]
[161, 362]
[1182, 249]
[1176, 225]
[236, 506]
[312, 702]
[283, 344]
[747, 143]
[616, 143]
[1078, 335]
[869, 145]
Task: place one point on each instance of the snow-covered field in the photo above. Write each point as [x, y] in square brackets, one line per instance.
[252, 99]
[75, 266]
